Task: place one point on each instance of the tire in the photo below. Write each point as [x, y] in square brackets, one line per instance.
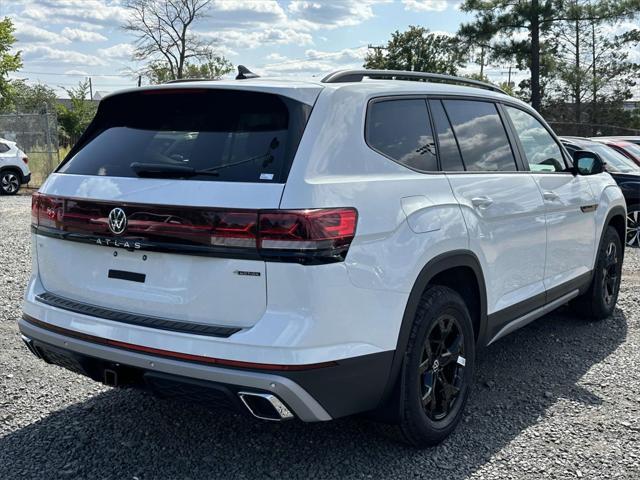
[9, 182]
[633, 226]
[600, 299]
[438, 373]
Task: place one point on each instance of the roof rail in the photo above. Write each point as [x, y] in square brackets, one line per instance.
[357, 75]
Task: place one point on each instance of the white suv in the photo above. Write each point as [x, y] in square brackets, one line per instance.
[315, 249]
[14, 169]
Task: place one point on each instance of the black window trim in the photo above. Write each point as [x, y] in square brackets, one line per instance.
[437, 138]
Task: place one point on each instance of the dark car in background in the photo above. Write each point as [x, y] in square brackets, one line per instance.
[626, 174]
[625, 147]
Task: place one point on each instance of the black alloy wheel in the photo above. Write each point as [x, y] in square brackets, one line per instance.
[441, 367]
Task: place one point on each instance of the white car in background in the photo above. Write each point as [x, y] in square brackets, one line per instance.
[14, 169]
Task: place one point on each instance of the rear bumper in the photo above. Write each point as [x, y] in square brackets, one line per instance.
[348, 386]
[26, 178]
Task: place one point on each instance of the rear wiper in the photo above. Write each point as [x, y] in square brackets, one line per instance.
[267, 157]
[166, 170]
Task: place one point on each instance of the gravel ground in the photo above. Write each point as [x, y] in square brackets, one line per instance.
[557, 399]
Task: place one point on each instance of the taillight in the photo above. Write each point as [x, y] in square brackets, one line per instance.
[304, 236]
[307, 234]
[25, 159]
[235, 229]
[46, 211]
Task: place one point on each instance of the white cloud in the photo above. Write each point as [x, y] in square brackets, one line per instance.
[82, 35]
[62, 11]
[121, 51]
[77, 72]
[46, 54]
[315, 15]
[28, 33]
[316, 62]
[256, 38]
[425, 5]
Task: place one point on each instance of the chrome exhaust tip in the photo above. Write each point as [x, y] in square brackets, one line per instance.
[265, 406]
[29, 343]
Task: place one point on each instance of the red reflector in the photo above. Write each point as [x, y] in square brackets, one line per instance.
[172, 354]
[25, 159]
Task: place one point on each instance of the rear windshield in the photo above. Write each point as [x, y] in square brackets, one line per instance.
[218, 135]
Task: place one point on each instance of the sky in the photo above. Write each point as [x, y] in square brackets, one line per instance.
[65, 41]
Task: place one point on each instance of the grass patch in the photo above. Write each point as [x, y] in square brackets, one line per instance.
[42, 164]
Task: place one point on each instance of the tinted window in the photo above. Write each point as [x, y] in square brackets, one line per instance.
[482, 138]
[540, 149]
[400, 129]
[4, 147]
[614, 161]
[450, 159]
[239, 136]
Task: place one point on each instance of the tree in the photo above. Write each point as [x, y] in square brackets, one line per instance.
[418, 50]
[594, 64]
[213, 67]
[9, 62]
[25, 98]
[504, 21]
[164, 36]
[75, 118]
[507, 19]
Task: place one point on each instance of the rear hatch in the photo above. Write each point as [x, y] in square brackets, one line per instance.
[154, 211]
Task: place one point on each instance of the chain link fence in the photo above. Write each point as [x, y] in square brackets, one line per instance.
[37, 135]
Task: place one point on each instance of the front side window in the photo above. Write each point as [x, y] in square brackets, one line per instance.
[481, 136]
[541, 151]
[400, 129]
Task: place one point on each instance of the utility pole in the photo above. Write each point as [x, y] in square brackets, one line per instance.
[90, 89]
[139, 80]
[378, 52]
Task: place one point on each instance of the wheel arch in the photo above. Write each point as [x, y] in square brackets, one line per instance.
[616, 218]
[12, 168]
[444, 267]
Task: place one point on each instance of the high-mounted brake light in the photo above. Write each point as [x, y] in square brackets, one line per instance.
[305, 236]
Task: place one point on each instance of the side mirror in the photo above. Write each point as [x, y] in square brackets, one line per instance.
[587, 163]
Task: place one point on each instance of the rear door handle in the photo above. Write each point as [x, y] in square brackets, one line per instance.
[481, 202]
[550, 196]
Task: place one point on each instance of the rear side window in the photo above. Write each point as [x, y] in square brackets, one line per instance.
[219, 135]
[481, 136]
[450, 158]
[4, 147]
[400, 129]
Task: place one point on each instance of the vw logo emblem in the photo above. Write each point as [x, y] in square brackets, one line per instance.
[117, 221]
